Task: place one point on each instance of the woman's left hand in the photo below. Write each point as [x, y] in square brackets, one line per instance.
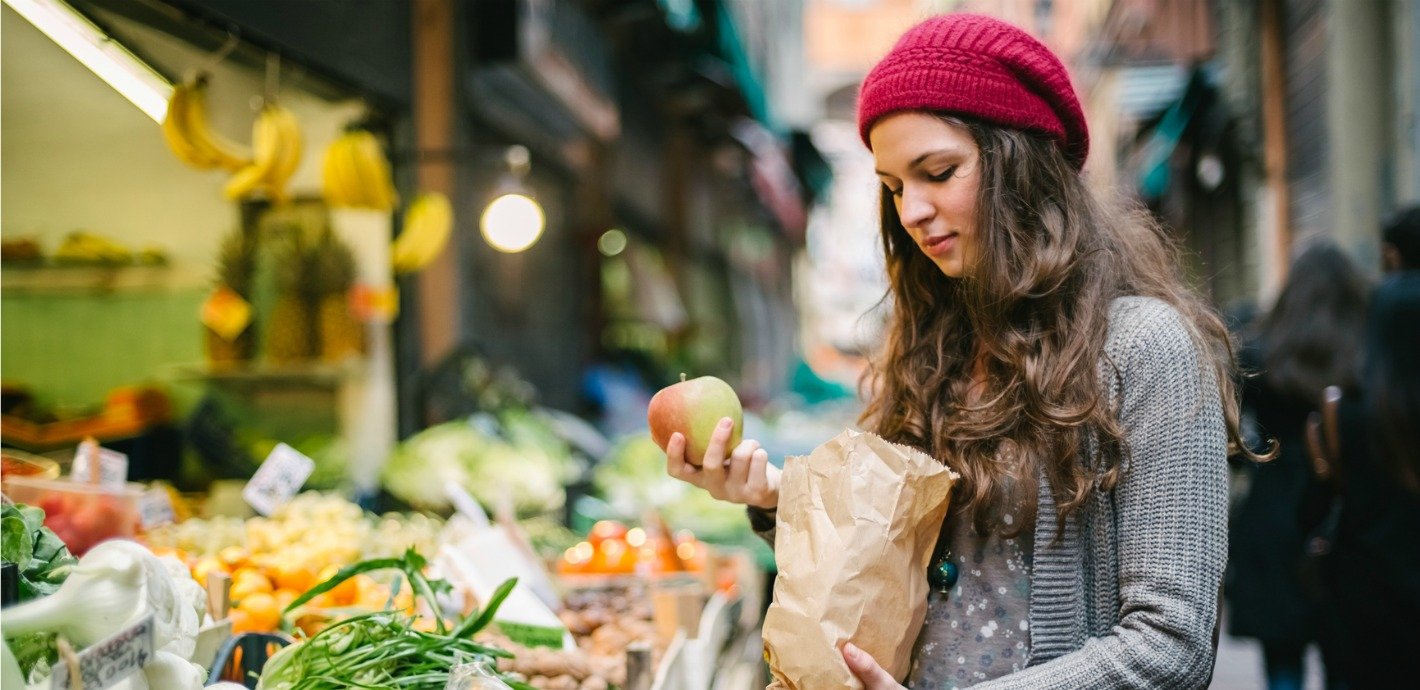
[867, 669]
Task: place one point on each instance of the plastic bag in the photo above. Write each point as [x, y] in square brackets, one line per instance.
[477, 675]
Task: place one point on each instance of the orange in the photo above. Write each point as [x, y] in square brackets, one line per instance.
[246, 582]
[262, 609]
[376, 596]
[284, 597]
[233, 556]
[207, 566]
[298, 578]
[344, 593]
[241, 621]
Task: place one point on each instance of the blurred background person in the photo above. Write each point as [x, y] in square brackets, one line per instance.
[1368, 454]
[1400, 241]
[1310, 339]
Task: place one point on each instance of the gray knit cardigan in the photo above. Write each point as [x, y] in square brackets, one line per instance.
[1128, 597]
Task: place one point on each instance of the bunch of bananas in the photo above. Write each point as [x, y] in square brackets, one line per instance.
[276, 139]
[427, 224]
[356, 173]
[191, 138]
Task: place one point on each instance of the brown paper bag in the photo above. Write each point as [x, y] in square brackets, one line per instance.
[857, 522]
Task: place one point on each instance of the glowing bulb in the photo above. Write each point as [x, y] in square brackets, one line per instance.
[512, 223]
[636, 536]
[612, 242]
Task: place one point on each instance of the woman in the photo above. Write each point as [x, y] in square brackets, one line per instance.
[1310, 339]
[1043, 345]
[1372, 457]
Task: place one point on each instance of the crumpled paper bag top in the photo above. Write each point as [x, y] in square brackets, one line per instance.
[857, 523]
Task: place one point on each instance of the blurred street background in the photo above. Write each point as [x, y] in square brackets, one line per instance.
[490, 230]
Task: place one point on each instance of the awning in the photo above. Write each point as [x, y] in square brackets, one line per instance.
[732, 50]
[1155, 170]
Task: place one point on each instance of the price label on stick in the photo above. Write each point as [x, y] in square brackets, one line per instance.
[110, 660]
[155, 508]
[95, 464]
[278, 479]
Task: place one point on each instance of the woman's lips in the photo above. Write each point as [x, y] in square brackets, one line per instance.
[941, 244]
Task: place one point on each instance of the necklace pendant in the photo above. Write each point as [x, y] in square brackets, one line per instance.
[943, 576]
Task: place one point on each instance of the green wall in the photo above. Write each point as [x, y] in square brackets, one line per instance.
[72, 349]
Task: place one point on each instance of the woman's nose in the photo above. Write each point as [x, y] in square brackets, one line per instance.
[916, 210]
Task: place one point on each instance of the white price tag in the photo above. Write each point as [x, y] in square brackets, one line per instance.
[155, 508]
[111, 660]
[465, 504]
[278, 479]
[112, 465]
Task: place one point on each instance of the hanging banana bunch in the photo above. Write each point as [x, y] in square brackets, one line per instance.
[427, 224]
[191, 137]
[276, 143]
[356, 173]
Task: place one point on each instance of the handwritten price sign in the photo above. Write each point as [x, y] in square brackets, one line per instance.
[155, 508]
[278, 479]
[111, 660]
[112, 465]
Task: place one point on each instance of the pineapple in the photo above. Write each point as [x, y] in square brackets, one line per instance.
[341, 334]
[236, 263]
[289, 333]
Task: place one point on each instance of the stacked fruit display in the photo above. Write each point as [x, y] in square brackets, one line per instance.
[612, 549]
[311, 317]
[273, 560]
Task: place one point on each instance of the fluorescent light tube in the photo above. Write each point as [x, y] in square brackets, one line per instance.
[104, 56]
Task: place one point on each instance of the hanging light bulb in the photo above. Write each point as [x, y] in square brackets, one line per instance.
[514, 220]
[512, 223]
[612, 242]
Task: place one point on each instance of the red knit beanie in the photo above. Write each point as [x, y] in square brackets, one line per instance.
[978, 67]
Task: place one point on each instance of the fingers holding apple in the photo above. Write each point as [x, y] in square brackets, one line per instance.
[746, 477]
[737, 467]
[715, 461]
[694, 409]
[750, 479]
[700, 425]
[676, 463]
[761, 482]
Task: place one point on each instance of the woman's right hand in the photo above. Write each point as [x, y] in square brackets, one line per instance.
[745, 477]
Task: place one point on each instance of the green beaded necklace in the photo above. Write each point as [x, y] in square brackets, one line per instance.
[943, 571]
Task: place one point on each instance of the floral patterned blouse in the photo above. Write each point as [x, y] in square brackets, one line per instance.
[980, 629]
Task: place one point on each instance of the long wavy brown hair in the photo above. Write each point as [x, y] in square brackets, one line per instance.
[1032, 315]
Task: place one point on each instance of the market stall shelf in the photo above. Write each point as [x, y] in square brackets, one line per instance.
[254, 375]
[95, 279]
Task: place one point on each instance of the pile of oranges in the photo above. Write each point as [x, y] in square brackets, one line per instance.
[262, 587]
[612, 549]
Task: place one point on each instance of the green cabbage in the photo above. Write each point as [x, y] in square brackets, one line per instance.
[522, 460]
